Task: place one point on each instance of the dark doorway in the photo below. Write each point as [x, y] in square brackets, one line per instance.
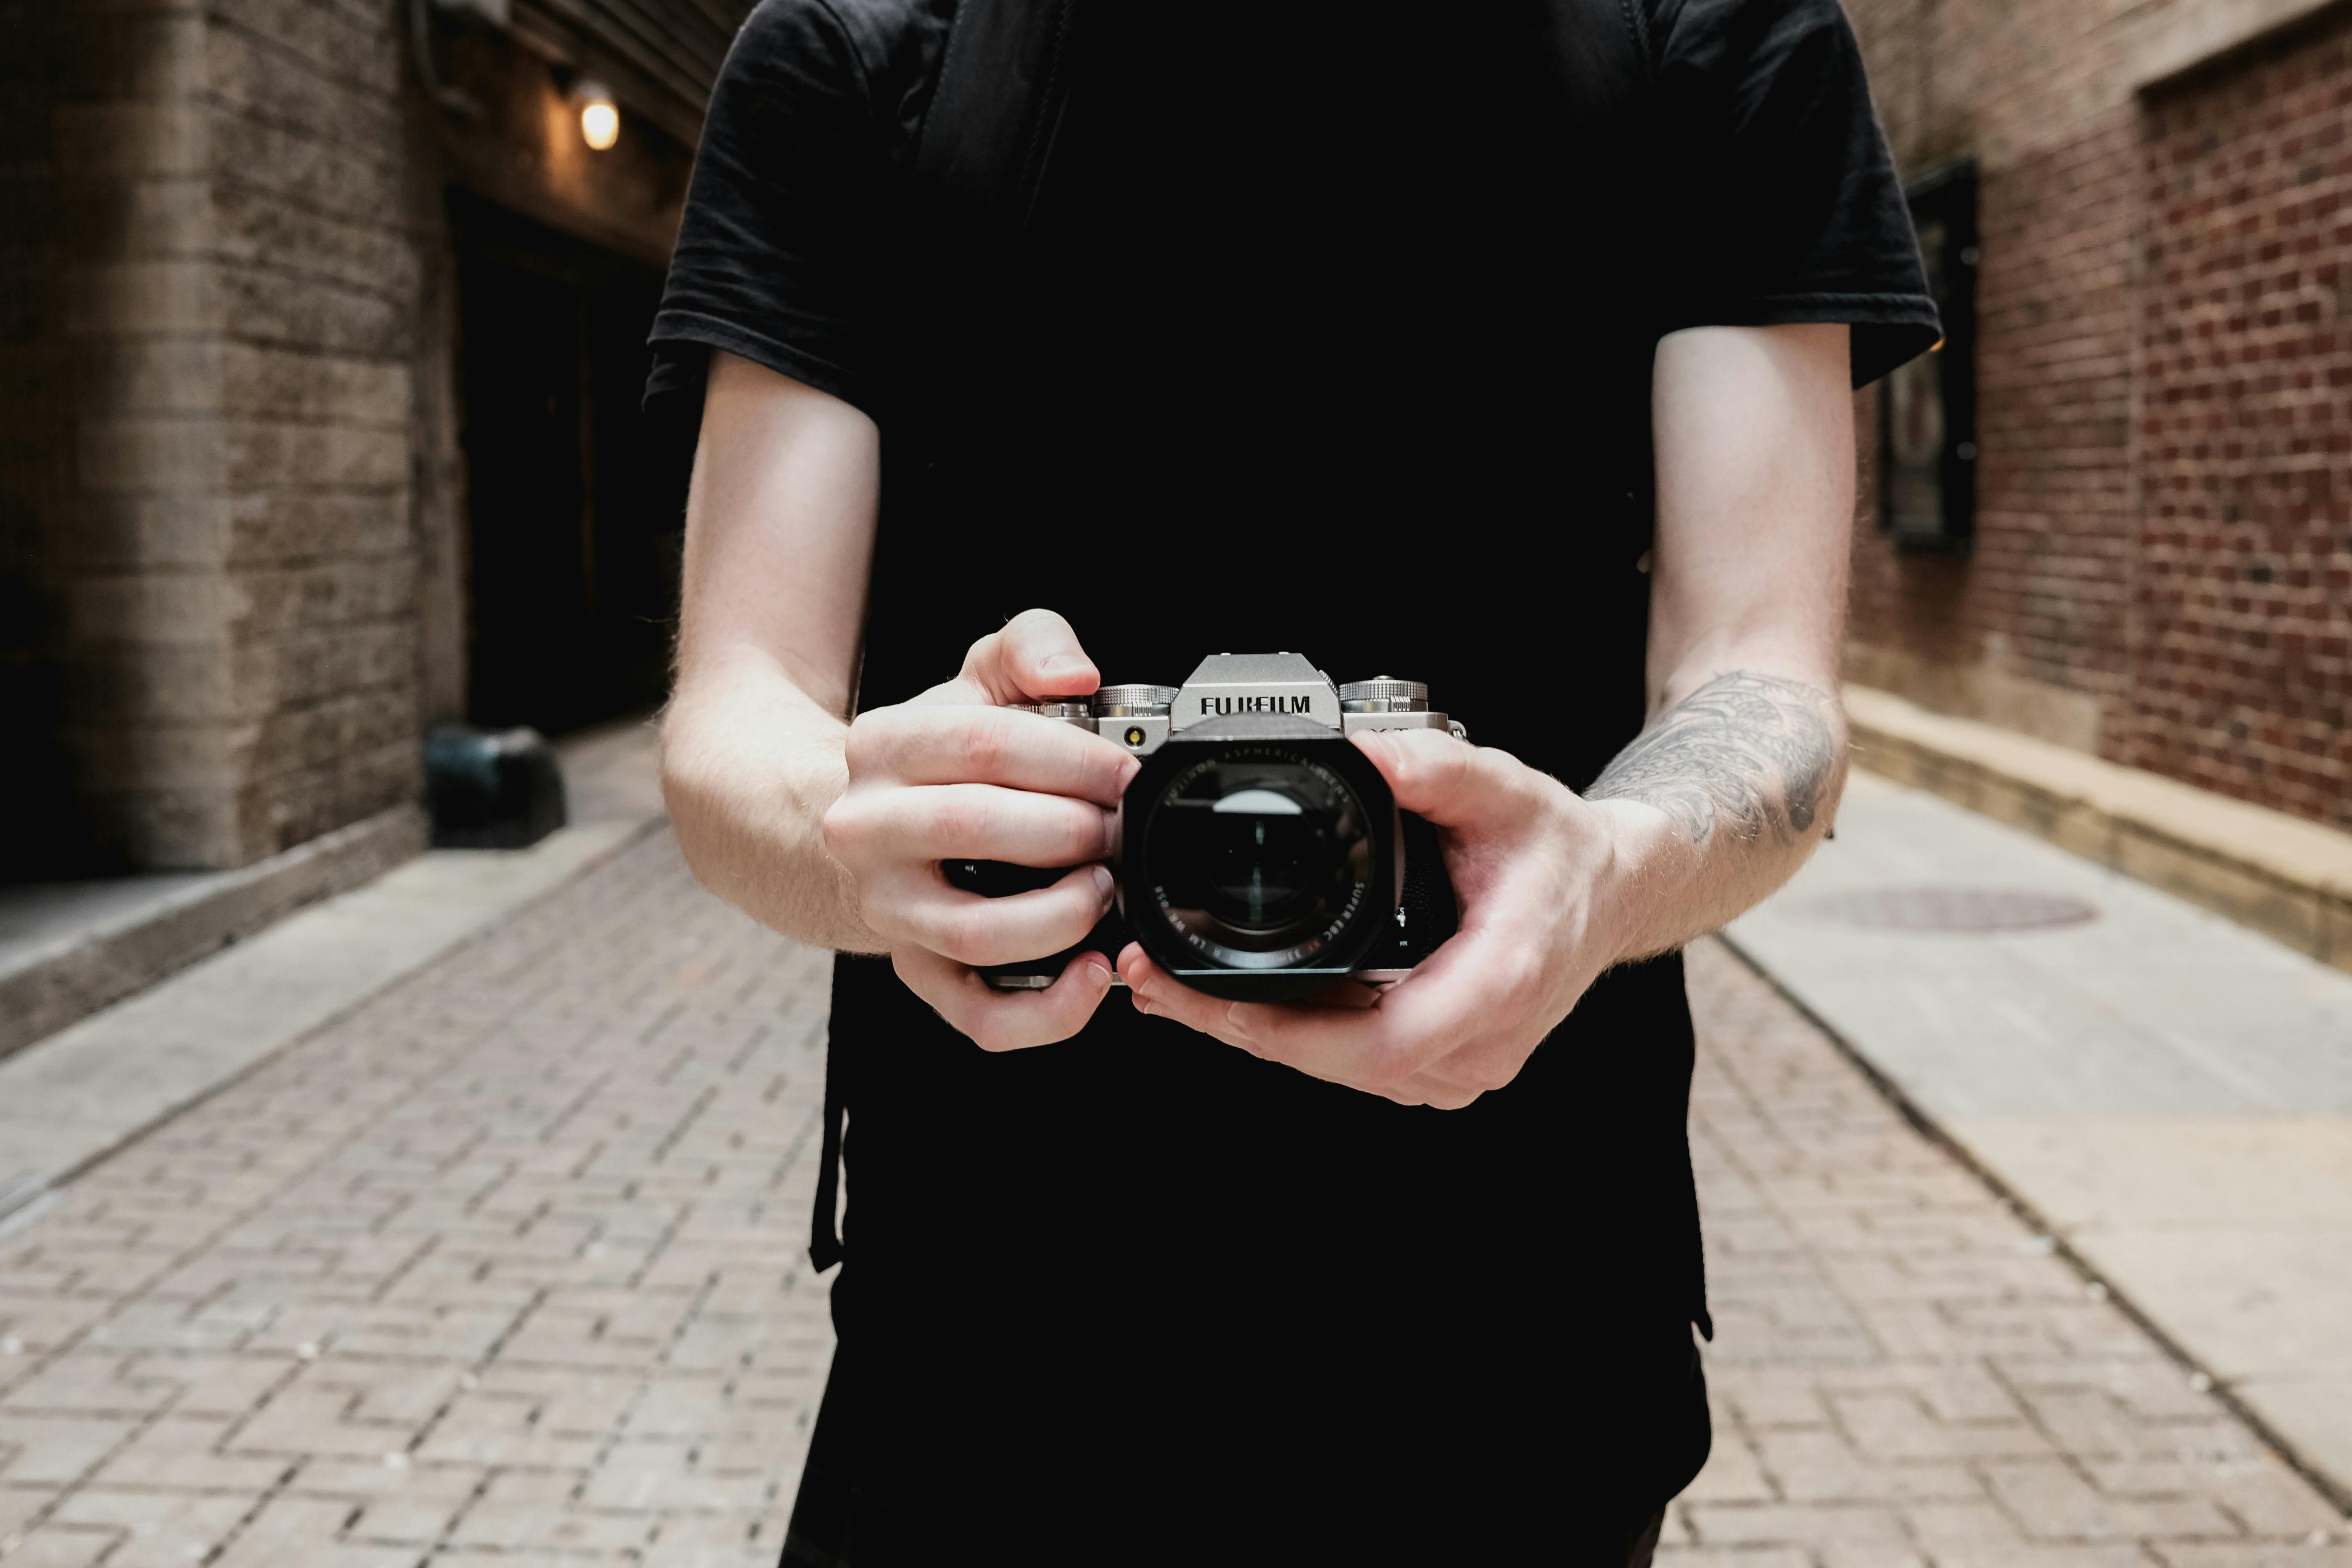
[574, 500]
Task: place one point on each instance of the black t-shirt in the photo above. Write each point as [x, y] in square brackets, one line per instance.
[1332, 333]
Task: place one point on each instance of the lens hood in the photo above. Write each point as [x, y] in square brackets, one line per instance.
[1257, 857]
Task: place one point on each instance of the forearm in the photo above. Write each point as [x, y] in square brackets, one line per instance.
[1738, 774]
[750, 763]
[1717, 802]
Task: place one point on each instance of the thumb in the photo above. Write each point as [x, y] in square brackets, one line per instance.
[1452, 783]
[1034, 658]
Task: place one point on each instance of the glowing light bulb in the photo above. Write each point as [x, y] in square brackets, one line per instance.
[600, 117]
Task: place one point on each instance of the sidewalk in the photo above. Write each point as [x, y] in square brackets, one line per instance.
[507, 1263]
[81, 1093]
[1907, 1374]
[2169, 1092]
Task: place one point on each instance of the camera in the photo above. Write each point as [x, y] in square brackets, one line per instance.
[1259, 855]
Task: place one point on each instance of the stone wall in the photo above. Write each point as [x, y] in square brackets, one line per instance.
[227, 318]
[231, 503]
[2056, 624]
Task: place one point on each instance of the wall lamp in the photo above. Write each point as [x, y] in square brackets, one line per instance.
[600, 117]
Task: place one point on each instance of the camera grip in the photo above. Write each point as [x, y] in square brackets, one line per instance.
[1001, 880]
[1427, 913]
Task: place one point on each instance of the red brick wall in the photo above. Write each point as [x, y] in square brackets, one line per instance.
[2043, 591]
[2163, 561]
[2242, 673]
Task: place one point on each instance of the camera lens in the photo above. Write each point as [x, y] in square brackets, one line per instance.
[1260, 856]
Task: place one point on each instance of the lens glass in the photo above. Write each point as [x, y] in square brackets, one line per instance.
[1258, 856]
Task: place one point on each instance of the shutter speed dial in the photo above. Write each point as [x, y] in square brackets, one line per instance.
[1382, 695]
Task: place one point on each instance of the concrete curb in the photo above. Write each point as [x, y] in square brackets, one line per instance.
[63, 982]
[2288, 878]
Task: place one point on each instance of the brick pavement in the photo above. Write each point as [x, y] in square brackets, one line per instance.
[1903, 1373]
[507, 1265]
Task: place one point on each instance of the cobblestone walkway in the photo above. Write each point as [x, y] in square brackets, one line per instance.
[508, 1264]
[1903, 1373]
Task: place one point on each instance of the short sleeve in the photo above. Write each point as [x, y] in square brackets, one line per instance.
[770, 261]
[1783, 202]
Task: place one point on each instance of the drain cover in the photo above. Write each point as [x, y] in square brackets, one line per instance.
[1947, 909]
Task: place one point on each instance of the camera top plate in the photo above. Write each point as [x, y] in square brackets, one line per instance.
[1228, 684]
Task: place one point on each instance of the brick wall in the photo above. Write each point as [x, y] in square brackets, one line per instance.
[2030, 629]
[231, 541]
[221, 360]
[2243, 674]
[309, 717]
[2102, 606]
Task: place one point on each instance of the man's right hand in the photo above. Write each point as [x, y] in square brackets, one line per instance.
[955, 774]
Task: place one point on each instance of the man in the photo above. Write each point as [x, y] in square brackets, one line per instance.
[1503, 346]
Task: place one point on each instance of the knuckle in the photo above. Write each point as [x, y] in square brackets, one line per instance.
[878, 734]
[1081, 831]
[843, 828]
[982, 747]
[1486, 1077]
[962, 819]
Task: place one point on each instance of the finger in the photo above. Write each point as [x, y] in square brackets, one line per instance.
[927, 744]
[923, 910]
[1231, 1022]
[969, 822]
[1278, 1033]
[1037, 656]
[1444, 1006]
[1006, 1020]
[1450, 782]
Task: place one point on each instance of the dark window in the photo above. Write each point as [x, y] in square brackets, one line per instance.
[1927, 409]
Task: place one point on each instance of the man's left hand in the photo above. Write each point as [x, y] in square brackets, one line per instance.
[1531, 863]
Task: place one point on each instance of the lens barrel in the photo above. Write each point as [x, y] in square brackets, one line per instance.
[1257, 857]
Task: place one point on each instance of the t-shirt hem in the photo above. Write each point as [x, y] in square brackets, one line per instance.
[678, 327]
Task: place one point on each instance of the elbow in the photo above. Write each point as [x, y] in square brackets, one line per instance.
[686, 798]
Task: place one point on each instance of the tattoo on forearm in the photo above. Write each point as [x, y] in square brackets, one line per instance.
[1752, 754]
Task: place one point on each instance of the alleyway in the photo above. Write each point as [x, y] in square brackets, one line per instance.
[507, 1263]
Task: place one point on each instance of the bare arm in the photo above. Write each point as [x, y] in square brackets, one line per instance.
[1737, 775]
[1714, 805]
[778, 544]
[832, 828]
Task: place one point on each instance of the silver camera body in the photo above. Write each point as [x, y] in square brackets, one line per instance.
[1259, 855]
[1142, 718]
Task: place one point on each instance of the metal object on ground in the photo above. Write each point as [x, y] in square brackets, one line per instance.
[491, 789]
[1947, 909]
